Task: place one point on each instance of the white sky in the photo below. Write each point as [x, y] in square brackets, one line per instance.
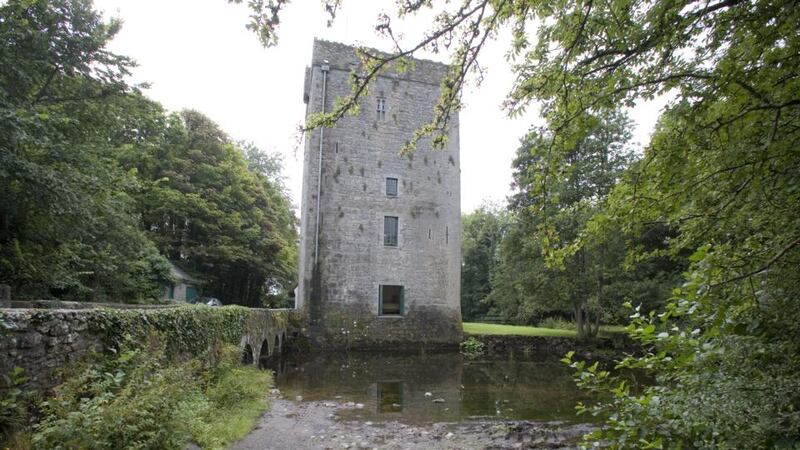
[197, 54]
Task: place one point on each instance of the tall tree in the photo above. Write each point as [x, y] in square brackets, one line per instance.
[99, 183]
[68, 225]
[482, 231]
[551, 210]
[207, 211]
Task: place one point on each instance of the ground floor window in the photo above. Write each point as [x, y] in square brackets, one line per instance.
[391, 300]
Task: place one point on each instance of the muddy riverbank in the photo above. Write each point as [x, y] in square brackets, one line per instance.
[300, 424]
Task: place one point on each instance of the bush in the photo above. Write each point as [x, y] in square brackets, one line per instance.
[557, 324]
[14, 406]
[472, 348]
[142, 399]
[128, 401]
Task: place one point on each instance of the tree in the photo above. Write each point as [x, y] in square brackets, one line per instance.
[550, 212]
[68, 225]
[207, 211]
[482, 232]
[100, 184]
[528, 281]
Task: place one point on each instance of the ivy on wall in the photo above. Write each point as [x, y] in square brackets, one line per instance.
[188, 329]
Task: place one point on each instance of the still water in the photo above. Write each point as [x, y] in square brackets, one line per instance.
[432, 388]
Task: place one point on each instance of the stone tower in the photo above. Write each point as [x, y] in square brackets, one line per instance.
[380, 254]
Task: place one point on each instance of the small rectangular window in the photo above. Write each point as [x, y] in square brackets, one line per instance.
[391, 300]
[390, 231]
[381, 108]
[391, 187]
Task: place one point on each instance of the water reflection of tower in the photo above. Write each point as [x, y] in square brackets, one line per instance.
[400, 385]
[379, 382]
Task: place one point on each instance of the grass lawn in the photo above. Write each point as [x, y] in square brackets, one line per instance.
[491, 328]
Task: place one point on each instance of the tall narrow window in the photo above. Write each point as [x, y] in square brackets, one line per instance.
[381, 108]
[391, 300]
[390, 231]
[391, 187]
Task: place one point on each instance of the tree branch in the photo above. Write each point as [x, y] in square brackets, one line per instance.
[763, 268]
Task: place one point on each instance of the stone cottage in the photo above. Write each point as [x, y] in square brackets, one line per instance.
[184, 287]
[380, 254]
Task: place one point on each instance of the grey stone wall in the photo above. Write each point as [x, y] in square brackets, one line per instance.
[47, 343]
[607, 348]
[340, 294]
[44, 343]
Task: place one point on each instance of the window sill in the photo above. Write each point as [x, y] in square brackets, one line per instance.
[390, 316]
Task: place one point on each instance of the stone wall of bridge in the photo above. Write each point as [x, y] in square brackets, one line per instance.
[47, 343]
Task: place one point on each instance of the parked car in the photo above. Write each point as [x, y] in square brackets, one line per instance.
[210, 301]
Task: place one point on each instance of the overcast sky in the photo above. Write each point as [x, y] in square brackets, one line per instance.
[197, 54]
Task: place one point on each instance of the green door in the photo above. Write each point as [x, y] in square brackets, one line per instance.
[191, 293]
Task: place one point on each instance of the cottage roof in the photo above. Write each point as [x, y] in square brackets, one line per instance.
[180, 274]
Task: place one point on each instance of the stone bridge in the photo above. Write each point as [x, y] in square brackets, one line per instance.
[265, 333]
[46, 342]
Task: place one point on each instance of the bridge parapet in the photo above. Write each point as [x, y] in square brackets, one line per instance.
[45, 342]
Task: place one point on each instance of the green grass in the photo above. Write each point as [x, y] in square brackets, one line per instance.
[233, 425]
[240, 400]
[492, 328]
[609, 329]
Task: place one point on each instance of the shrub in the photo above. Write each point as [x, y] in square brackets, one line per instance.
[231, 383]
[557, 324]
[14, 405]
[126, 401]
[139, 398]
[472, 348]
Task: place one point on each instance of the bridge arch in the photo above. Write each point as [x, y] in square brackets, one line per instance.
[264, 335]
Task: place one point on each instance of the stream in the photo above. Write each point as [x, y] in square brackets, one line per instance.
[418, 389]
[374, 400]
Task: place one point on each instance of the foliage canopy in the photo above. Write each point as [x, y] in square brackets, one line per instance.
[101, 186]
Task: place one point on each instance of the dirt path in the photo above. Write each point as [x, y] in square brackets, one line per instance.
[315, 425]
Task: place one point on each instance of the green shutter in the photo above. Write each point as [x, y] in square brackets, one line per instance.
[402, 300]
[380, 299]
